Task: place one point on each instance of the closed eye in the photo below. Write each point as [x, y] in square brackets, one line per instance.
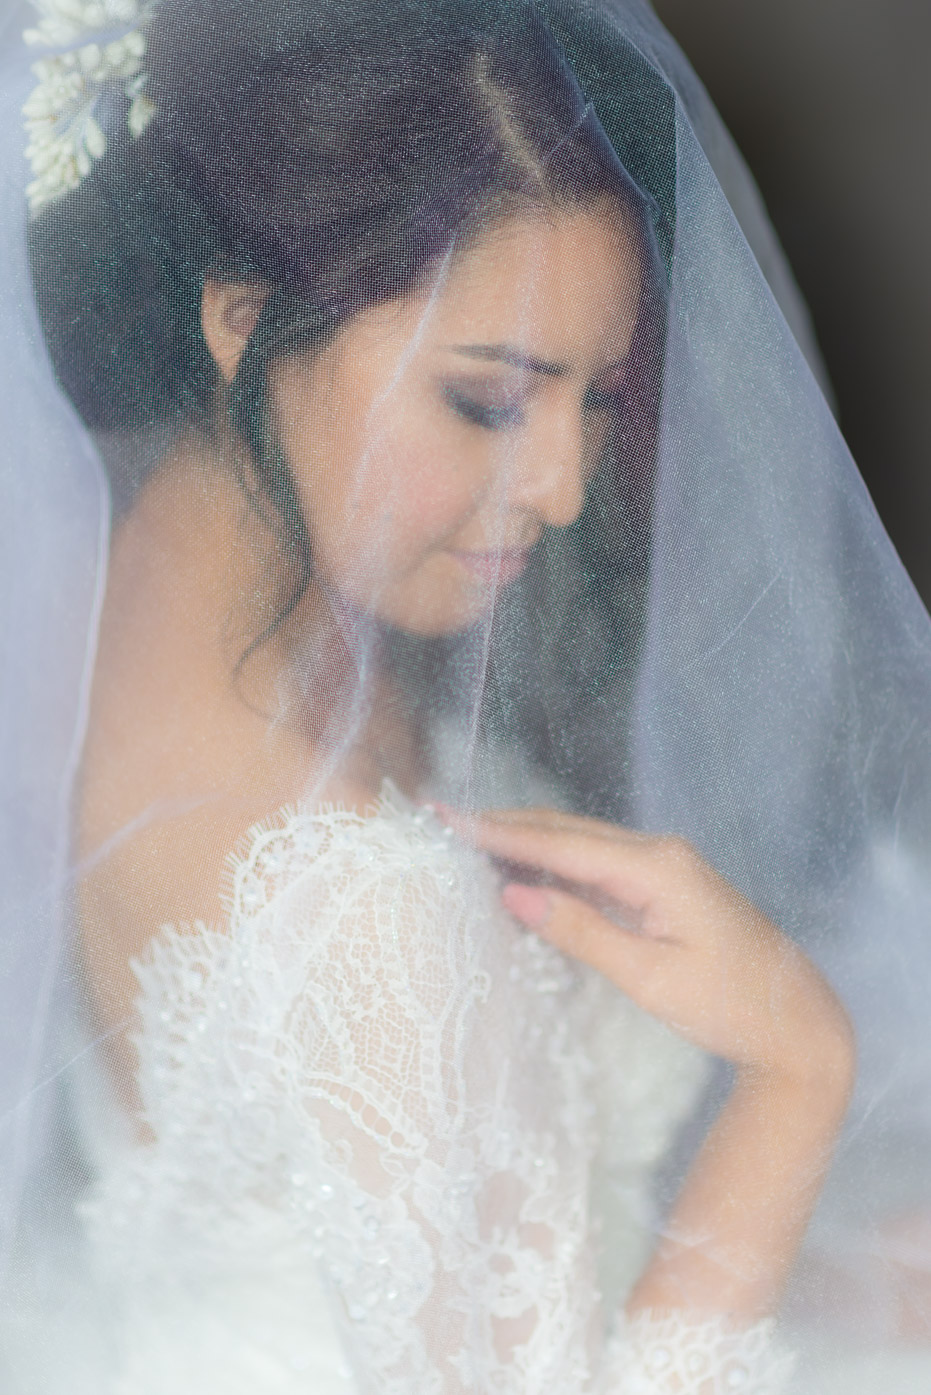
[492, 416]
[605, 400]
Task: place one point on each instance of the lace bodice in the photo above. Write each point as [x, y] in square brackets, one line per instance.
[376, 1157]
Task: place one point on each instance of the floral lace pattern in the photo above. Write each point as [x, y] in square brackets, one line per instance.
[661, 1354]
[376, 1080]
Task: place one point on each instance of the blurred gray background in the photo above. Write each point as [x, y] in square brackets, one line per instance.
[830, 102]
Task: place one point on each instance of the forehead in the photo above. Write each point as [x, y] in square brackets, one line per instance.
[563, 286]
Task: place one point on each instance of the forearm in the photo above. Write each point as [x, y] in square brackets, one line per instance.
[735, 1230]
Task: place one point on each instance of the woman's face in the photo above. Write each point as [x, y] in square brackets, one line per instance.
[438, 436]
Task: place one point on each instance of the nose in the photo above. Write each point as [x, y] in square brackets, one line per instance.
[554, 470]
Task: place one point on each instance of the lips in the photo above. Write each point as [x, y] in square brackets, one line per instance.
[494, 568]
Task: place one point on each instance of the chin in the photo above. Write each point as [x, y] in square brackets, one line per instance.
[430, 604]
[437, 601]
[437, 625]
[437, 616]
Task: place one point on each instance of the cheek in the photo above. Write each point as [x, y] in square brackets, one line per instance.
[381, 494]
[426, 488]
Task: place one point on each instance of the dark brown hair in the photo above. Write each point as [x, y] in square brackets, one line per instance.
[331, 151]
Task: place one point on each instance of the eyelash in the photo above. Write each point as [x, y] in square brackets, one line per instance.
[503, 418]
[490, 418]
[597, 400]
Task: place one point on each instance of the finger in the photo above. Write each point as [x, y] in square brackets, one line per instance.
[627, 917]
[628, 871]
[539, 817]
[570, 857]
[543, 817]
[495, 823]
[581, 932]
[502, 830]
[642, 876]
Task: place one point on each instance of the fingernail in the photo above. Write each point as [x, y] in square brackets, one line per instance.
[528, 903]
[454, 818]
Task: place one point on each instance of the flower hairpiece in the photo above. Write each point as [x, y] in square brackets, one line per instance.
[101, 46]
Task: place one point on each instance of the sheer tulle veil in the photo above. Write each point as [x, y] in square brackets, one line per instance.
[769, 698]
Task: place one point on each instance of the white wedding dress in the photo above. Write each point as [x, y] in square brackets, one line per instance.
[345, 1184]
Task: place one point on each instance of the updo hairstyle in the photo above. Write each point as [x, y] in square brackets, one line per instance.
[332, 152]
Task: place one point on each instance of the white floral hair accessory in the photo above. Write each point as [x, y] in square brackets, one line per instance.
[101, 45]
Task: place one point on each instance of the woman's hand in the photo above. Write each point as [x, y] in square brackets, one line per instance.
[663, 926]
[676, 938]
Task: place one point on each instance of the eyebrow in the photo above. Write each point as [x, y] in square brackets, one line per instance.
[504, 353]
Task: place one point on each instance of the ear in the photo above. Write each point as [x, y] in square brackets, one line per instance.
[229, 312]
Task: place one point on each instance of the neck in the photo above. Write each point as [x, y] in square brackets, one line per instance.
[200, 553]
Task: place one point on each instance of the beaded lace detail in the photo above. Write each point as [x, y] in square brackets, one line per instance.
[376, 1078]
[663, 1354]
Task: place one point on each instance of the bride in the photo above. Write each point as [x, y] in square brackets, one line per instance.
[469, 510]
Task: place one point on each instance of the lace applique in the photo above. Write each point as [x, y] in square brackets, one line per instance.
[375, 1077]
[665, 1354]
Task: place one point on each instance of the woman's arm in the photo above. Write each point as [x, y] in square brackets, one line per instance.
[691, 950]
[738, 1222]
